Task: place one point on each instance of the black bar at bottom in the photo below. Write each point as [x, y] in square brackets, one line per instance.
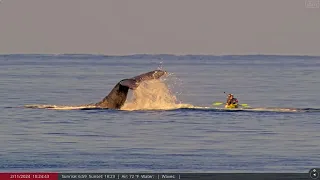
[185, 176]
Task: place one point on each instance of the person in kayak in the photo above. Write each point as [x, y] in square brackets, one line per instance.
[232, 102]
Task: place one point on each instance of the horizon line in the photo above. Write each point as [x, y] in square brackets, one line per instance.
[155, 54]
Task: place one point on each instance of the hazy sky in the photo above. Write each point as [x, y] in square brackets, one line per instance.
[121, 27]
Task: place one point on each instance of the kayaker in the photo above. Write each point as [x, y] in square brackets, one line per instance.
[231, 100]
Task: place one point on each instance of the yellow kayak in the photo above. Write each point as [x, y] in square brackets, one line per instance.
[231, 106]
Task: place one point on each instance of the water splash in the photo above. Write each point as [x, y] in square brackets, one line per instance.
[153, 95]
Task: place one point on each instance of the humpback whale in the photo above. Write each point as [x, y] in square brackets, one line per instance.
[118, 95]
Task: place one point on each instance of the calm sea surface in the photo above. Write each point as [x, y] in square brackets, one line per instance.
[179, 140]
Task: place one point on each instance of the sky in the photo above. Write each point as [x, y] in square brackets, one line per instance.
[123, 27]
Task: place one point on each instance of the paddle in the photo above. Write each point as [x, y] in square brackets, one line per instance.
[217, 103]
[221, 103]
[244, 105]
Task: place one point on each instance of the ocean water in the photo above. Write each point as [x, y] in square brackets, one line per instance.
[280, 133]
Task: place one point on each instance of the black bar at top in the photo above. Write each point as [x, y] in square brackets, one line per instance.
[185, 176]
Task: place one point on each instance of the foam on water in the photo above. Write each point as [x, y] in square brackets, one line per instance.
[58, 107]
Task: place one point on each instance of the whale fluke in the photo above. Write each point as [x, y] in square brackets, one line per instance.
[118, 95]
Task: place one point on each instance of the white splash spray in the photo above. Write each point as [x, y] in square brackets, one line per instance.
[153, 95]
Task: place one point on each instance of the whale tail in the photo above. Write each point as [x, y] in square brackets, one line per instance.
[118, 95]
[150, 75]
